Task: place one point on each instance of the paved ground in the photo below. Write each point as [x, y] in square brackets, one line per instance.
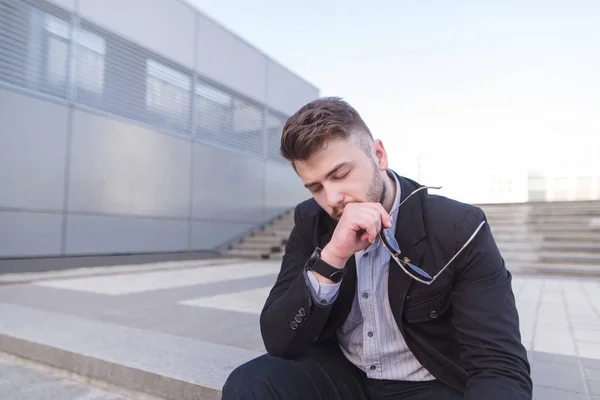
[161, 316]
[20, 381]
[59, 263]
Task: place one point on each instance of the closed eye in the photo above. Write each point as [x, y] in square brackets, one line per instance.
[342, 176]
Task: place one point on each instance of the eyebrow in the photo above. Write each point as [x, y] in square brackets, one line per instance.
[331, 172]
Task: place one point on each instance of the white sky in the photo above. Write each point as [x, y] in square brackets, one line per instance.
[481, 89]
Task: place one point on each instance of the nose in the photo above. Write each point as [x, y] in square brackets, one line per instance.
[334, 197]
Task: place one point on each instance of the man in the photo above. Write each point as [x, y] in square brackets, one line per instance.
[366, 305]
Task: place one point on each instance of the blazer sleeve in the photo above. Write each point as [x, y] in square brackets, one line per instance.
[486, 320]
[291, 319]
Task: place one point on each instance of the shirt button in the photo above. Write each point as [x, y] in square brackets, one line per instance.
[365, 295]
[433, 314]
[372, 368]
[366, 254]
[370, 334]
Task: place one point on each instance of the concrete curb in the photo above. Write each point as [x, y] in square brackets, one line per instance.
[119, 375]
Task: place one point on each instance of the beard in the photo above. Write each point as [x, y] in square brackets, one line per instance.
[375, 193]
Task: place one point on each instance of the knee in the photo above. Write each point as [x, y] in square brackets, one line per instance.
[246, 381]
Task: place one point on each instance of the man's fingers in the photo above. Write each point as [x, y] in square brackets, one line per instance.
[385, 218]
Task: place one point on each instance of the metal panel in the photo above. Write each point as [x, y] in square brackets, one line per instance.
[275, 123]
[117, 167]
[99, 234]
[286, 92]
[163, 26]
[206, 235]
[227, 186]
[225, 58]
[284, 189]
[29, 234]
[34, 48]
[32, 152]
[68, 5]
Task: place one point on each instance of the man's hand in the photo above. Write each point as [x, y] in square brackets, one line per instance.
[357, 229]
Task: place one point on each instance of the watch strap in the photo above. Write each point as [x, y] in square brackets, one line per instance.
[322, 268]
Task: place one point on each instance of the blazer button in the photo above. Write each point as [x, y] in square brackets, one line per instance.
[433, 314]
[298, 318]
[294, 325]
[302, 312]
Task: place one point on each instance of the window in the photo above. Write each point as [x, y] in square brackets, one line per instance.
[90, 52]
[275, 124]
[248, 134]
[168, 93]
[214, 113]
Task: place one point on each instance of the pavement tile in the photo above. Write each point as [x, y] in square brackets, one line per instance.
[544, 393]
[589, 350]
[590, 363]
[587, 335]
[594, 387]
[592, 374]
[559, 381]
[556, 358]
[554, 343]
[543, 367]
[587, 326]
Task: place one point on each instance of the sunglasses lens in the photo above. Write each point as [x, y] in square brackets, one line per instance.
[419, 272]
[389, 240]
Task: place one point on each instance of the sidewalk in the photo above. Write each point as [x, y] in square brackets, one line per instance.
[175, 330]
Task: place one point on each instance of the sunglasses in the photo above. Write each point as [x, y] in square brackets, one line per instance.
[391, 244]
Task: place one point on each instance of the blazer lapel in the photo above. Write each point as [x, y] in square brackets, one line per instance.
[410, 229]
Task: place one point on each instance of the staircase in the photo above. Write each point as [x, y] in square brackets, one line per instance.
[265, 243]
[549, 238]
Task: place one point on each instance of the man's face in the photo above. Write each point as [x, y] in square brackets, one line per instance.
[342, 173]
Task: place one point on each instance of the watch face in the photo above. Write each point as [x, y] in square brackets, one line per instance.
[337, 275]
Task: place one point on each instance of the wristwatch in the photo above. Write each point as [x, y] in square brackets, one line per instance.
[322, 268]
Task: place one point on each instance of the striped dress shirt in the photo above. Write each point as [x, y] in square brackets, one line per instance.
[370, 338]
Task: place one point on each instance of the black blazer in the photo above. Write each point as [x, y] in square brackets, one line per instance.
[464, 328]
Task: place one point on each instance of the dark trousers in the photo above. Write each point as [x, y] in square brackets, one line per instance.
[322, 373]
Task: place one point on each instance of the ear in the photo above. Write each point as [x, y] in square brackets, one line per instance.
[380, 155]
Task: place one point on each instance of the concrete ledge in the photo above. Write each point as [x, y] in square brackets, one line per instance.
[155, 363]
[119, 375]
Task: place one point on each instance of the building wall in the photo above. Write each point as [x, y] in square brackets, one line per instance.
[129, 126]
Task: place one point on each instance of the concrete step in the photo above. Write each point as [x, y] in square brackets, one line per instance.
[270, 240]
[157, 364]
[569, 220]
[518, 256]
[538, 268]
[541, 247]
[539, 215]
[257, 247]
[570, 258]
[572, 237]
[247, 253]
[544, 228]
[552, 257]
[276, 230]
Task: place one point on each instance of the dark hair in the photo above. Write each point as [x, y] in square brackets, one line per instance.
[320, 120]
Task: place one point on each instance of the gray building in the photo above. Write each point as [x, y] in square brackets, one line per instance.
[136, 126]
